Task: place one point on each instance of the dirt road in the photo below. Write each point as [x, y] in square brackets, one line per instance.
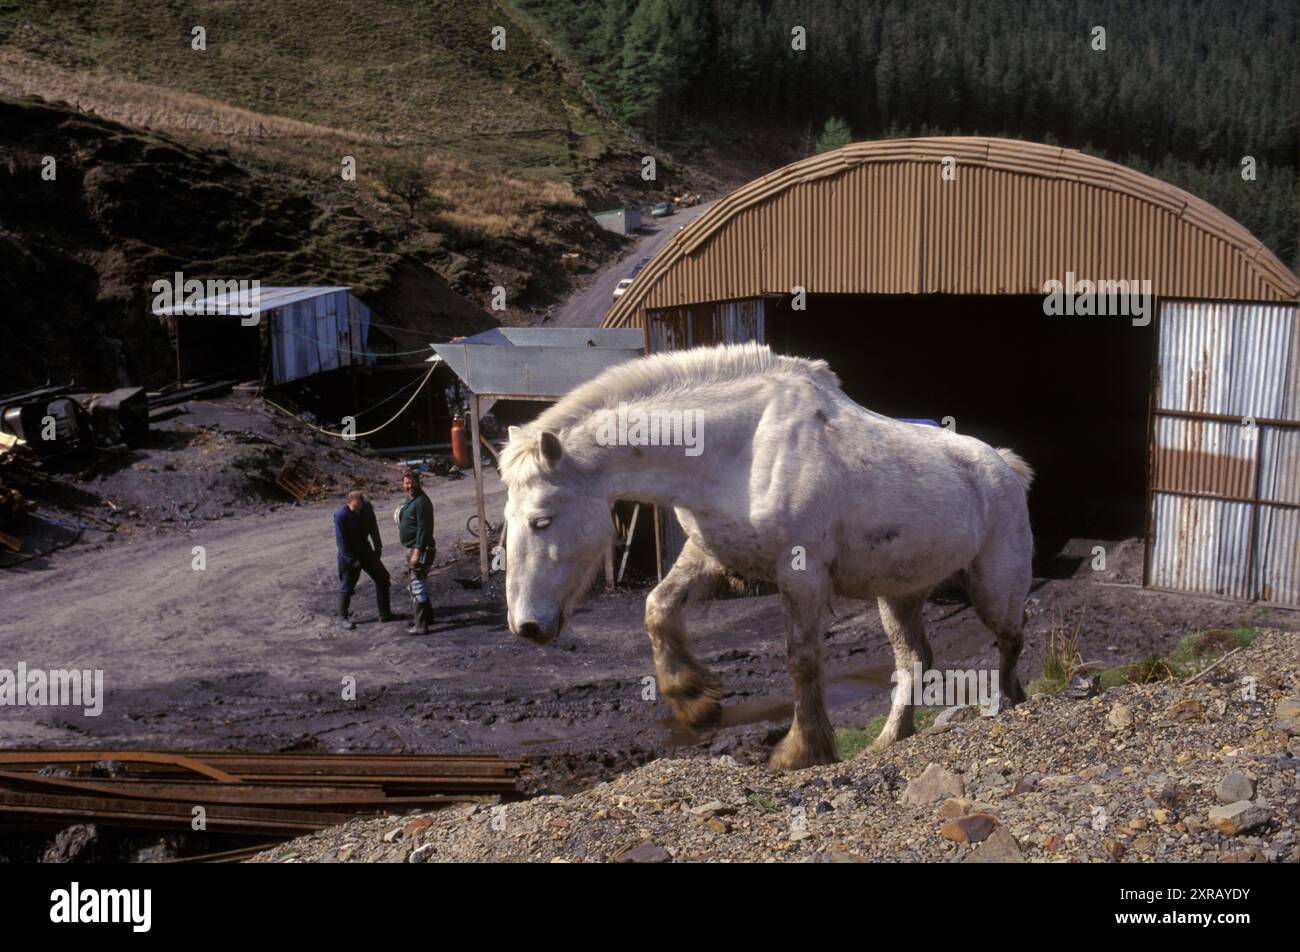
[589, 304]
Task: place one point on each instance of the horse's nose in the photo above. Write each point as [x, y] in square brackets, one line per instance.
[531, 630]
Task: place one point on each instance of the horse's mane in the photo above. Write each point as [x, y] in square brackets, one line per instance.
[670, 372]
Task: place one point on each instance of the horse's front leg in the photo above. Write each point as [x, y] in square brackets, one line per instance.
[811, 739]
[693, 690]
[904, 623]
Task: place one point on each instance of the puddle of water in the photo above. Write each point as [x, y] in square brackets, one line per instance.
[849, 687]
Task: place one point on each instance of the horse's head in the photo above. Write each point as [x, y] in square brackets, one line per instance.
[557, 532]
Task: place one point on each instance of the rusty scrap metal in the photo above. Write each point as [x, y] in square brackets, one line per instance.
[278, 795]
[294, 479]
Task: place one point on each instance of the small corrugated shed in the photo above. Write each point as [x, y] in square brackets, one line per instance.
[621, 221]
[309, 330]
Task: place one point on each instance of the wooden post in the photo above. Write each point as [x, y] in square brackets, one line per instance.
[609, 568]
[659, 551]
[627, 545]
[478, 490]
[429, 415]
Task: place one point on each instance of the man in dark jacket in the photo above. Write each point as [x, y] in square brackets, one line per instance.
[354, 530]
[415, 529]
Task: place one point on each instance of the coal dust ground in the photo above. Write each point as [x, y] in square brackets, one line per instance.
[247, 653]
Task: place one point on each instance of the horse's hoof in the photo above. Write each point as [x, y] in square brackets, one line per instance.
[886, 739]
[702, 713]
[793, 754]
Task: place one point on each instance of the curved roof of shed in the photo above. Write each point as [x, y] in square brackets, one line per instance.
[878, 217]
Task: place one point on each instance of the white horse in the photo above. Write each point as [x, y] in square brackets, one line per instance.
[789, 482]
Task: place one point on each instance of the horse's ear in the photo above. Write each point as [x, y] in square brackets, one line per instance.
[551, 448]
[516, 433]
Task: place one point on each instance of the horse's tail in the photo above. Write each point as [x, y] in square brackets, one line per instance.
[1024, 472]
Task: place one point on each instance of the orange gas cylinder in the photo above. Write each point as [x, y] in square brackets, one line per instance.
[460, 444]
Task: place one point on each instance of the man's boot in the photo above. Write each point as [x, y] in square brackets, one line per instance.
[385, 609]
[345, 602]
[423, 616]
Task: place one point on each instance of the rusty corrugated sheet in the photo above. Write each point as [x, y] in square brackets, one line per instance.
[1278, 578]
[1279, 478]
[1200, 545]
[1225, 358]
[670, 330]
[878, 217]
[1224, 430]
[1206, 457]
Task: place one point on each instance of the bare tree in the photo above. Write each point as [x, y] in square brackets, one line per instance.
[409, 181]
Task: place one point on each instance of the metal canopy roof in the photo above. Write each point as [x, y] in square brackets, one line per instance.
[536, 363]
[235, 303]
[528, 363]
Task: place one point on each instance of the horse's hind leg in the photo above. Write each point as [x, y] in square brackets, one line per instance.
[997, 583]
[905, 626]
[811, 738]
[692, 689]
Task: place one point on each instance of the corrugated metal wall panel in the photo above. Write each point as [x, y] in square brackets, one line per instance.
[670, 330]
[318, 334]
[672, 539]
[1277, 579]
[1236, 361]
[1279, 476]
[1291, 402]
[878, 218]
[1204, 457]
[311, 318]
[732, 322]
[1225, 358]
[1201, 545]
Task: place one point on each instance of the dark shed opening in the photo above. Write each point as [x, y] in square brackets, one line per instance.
[1069, 394]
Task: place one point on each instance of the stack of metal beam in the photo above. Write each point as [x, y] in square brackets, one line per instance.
[277, 795]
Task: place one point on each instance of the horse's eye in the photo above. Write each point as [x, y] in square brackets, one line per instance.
[541, 522]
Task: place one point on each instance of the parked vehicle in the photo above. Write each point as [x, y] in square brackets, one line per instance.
[622, 288]
[639, 265]
[662, 210]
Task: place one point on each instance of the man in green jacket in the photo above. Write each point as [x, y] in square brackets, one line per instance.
[415, 529]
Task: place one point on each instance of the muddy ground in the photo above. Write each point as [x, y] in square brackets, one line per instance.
[247, 653]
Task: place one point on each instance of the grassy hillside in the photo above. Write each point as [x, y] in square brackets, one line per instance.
[404, 73]
[289, 88]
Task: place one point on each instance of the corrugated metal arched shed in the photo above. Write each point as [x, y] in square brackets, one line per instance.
[878, 218]
[876, 231]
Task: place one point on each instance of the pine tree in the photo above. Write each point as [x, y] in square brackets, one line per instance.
[835, 135]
